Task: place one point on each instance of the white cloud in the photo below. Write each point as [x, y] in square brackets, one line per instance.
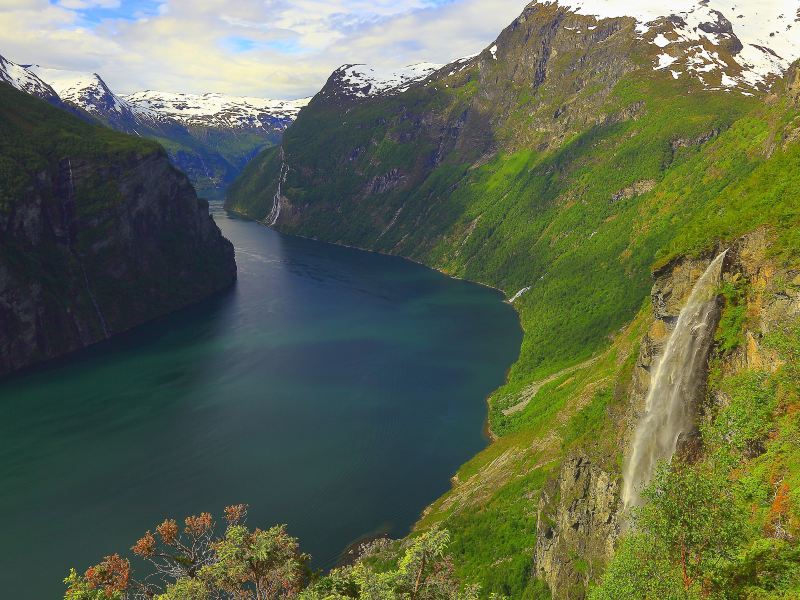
[268, 48]
[87, 4]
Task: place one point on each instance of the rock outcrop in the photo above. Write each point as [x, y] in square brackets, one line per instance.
[99, 233]
[578, 523]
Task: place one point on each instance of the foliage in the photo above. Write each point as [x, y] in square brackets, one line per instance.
[730, 333]
[641, 570]
[422, 572]
[193, 562]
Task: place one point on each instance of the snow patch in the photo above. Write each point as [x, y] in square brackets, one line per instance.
[362, 81]
[220, 109]
[661, 41]
[665, 60]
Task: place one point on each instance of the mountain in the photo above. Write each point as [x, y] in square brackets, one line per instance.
[209, 137]
[217, 110]
[591, 162]
[100, 233]
[22, 79]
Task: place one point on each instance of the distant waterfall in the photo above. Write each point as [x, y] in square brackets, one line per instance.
[272, 218]
[669, 406]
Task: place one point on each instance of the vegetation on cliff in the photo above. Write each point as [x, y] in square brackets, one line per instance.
[99, 233]
[563, 166]
[202, 560]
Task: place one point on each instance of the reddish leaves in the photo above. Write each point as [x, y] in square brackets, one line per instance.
[197, 525]
[234, 514]
[146, 546]
[168, 531]
[111, 575]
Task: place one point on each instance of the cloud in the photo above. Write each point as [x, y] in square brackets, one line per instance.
[268, 48]
[89, 4]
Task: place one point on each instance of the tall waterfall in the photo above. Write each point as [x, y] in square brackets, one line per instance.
[273, 215]
[670, 402]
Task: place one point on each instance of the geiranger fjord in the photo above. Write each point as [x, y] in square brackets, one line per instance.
[333, 390]
[400, 300]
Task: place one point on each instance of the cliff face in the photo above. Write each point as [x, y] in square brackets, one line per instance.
[563, 164]
[99, 234]
[580, 514]
[578, 522]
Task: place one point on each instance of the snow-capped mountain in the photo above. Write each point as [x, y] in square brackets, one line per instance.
[723, 43]
[240, 127]
[360, 81]
[215, 110]
[86, 91]
[25, 81]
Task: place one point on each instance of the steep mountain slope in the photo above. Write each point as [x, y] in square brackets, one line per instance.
[564, 164]
[209, 137]
[99, 233]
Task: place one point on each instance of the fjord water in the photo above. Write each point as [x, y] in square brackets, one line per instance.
[333, 390]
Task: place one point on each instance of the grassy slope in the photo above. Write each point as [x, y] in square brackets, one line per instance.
[545, 218]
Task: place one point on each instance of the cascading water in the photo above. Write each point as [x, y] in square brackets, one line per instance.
[669, 409]
[272, 218]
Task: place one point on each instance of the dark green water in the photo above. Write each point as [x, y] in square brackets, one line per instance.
[333, 390]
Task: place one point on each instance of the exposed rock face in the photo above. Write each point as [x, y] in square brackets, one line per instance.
[463, 113]
[773, 300]
[578, 523]
[580, 514]
[94, 242]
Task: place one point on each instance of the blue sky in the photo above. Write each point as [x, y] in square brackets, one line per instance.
[267, 48]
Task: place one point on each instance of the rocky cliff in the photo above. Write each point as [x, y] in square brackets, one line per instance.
[210, 137]
[566, 164]
[99, 234]
[580, 515]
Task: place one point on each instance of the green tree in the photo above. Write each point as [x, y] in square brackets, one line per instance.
[694, 517]
[421, 572]
[263, 565]
[686, 535]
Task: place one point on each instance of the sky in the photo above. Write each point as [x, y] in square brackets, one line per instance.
[264, 48]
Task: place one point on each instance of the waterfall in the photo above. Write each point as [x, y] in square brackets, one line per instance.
[669, 409]
[272, 218]
[70, 200]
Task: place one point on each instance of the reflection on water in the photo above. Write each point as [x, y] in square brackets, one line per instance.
[331, 389]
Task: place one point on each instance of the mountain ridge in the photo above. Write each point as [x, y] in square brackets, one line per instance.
[210, 137]
[570, 160]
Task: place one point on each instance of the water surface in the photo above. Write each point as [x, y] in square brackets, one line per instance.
[333, 390]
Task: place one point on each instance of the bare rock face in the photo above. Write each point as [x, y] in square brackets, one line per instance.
[580, 513]
[578, 524]
[773, 300]
[99, 239]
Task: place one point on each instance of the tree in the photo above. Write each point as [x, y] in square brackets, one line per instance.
[421, 572]
[687, 532]
[194, 563]
[265, 565]
[694, 517]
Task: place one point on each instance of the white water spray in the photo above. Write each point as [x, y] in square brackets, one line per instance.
[669, 409]
[272, 218]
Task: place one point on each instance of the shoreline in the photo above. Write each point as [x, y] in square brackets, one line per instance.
[486, 430]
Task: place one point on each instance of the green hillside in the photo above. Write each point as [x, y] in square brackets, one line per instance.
[579, 179]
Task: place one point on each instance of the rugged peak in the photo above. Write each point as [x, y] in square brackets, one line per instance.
[22, 79]
[86, 91]
[745, 46]
[237, 112]
[361, 81]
